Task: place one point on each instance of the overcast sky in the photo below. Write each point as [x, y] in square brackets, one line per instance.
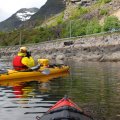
[9, 7]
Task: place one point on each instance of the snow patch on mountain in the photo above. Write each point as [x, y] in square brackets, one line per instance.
[25, 14]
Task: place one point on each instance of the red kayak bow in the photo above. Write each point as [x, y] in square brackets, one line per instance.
[65, 109]
[64, 102]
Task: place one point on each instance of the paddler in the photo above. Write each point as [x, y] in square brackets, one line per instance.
[23, 60]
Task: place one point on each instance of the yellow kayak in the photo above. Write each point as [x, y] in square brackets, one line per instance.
[13, 74]
[42, 79]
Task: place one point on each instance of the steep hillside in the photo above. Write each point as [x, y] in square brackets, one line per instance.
[89, 9]
[17, 19]
[51, 8]
[29, 18]
[11, 23]
[66, 18]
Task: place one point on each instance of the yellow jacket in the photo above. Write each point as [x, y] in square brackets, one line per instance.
[29, 62]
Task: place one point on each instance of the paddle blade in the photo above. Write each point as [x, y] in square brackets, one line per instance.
[37, 67]
[46, 71]
[3, 71]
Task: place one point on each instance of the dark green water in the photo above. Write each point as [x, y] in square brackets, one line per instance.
[95, 87]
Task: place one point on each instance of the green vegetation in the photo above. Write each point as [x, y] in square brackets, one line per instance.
[61, 30]
[111, 23]
[82, 21]
[93, 27]
[78, 12]
[104, 1]
[107, 1]
[103, 12]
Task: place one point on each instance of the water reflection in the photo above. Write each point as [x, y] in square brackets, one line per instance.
[93, 86]
[98, 85]
[27, 98]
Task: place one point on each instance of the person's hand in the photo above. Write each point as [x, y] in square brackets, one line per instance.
[28, 54]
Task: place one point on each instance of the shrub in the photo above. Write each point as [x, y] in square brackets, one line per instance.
[103, 12]
[78, 12]
[107, 1]
[104, 1]
[111, 23]
[78, 27]
[93, 27]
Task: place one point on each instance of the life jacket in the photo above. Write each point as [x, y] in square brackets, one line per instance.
[17, 63]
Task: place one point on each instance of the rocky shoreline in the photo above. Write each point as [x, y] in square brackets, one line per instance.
[101, 48]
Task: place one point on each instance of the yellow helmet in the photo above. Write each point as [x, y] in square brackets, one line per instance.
[23, 49]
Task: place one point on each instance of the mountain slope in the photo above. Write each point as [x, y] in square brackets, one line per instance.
[17, 19]
[58, 19]
[27, 18]
[51, 8]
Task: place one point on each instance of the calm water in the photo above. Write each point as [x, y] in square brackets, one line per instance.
[95, 87]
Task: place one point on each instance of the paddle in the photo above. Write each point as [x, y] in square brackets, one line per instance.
[3, 71]
[45, 71]
[35, 68]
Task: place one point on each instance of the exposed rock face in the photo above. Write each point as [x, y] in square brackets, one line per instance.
[72, 4]
[112, 7]
[68, 11]
[94, 48]
[80, 2]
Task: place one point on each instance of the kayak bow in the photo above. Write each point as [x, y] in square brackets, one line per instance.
[65, 109]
